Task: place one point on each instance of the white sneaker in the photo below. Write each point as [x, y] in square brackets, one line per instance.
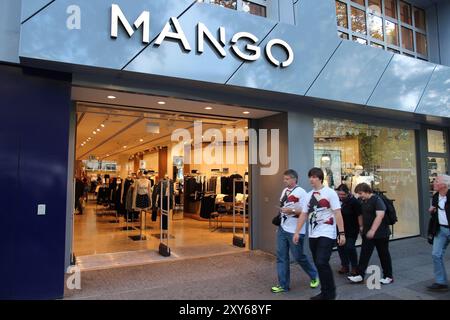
[386, 280]
[355, 279]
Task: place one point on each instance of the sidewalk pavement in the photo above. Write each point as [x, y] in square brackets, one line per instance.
[250, 275]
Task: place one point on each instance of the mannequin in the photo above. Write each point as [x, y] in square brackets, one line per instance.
[325, 164]
[142, 195]
[360, 178]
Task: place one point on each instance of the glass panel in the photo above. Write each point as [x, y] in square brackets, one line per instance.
[361, 2]
[376, 27]
[359, 40]
[436, 141]
[231, 4]
[421, 43]
[390, 8]
[375, 6]
[407, 39]
[341, 14]
[419, 18]
[358, 21]
[343, 35]
[376, 45]
[391, 33]
[405, 12]
[385, 158]
[436, 166]
[253, 8]
[408, 55]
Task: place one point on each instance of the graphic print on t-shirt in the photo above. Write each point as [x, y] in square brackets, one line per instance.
[319, 210]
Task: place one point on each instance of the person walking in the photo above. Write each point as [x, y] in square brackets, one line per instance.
[440, 218]
[323, 208]
[351, 210]
[375, 233]
[290, 208]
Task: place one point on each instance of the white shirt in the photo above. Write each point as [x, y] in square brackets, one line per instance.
[295, 200]
[441, 213]
[320, 205]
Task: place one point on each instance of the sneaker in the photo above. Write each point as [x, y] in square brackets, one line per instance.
[278, 289]
[386, 280]
[356, 279]
[314, 283]
[343, 270]
[438, 287]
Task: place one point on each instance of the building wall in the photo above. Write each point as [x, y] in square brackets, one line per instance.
[9, 30]
[35, 114]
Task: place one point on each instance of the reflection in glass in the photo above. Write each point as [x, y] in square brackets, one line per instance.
[343, 35]
[419, 18]
[361, 2]
[390, 8]
[407, 39]
[391, 33]
[405, 13]
[387, 157]
[230, 4]
[376, 27]
[436, 141]
[341, 14]
[359, 40]
[358, 21]
[253, 8]
[436, 166]
[421, 43]
[375, 6]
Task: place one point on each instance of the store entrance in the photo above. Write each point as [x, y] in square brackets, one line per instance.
[129, 169]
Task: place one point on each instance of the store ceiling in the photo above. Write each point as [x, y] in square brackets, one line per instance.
[110, 134]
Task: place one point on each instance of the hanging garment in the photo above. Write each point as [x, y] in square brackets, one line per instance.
[207, 206]
[142, 194]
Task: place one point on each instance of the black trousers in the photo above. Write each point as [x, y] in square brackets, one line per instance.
[367, 248]
[321, 249]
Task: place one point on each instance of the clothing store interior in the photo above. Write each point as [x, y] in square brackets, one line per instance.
[134, 189]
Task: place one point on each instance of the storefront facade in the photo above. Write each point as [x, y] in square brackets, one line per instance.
[361, 113]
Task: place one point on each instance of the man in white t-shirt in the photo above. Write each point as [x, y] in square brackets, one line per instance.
[290, 208]
[323, 208]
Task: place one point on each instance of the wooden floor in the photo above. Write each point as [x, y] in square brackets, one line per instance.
[100, 234]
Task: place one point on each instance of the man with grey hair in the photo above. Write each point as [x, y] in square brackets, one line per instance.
[439, 228]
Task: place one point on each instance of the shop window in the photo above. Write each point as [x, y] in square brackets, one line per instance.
[254, 8]
[343, 35]
[385, 158]
[341, 14]
[358, 21]
[436, 141]
[391, 33]
[421, 43]
[390, 8]
[375, 6]
[405, 13]
[419, 18]
[360, 2]
[393, 50]
[376, 27]
[230, 4]
[359, 40]
[407, 39]
[436, 166]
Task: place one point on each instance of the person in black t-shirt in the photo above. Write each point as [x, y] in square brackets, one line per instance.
[351, 210]
[375, 233]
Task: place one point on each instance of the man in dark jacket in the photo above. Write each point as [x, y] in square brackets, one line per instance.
[439, 229]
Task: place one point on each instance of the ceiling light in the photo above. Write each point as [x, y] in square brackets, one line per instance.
[94, 132]
[141, 140]
[246, 112]
[112, 97]
[98, 130]
[102, 125]
[161, 102]
[208, 108]
[107, 155]
[246, 128]
[124, 147]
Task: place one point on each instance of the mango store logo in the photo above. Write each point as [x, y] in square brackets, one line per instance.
[173, 31]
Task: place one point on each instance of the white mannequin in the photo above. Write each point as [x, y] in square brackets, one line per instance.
[358, 178]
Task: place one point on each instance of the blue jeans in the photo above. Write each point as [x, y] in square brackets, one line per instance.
[284, 246]
[440, 243]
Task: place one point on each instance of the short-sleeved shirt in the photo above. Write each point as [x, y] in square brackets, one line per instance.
[295, 197]
[320, 206]
[368, 210]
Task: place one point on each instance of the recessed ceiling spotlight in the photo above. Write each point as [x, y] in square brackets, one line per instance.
[246, 112]
[112, 97]
[124, 147]
[141, 140]
[161, 102]
[94, 132]
[102, 125]
[98, 130]
[208, 108]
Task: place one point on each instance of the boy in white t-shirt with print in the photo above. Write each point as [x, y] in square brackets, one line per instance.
[323, 208]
